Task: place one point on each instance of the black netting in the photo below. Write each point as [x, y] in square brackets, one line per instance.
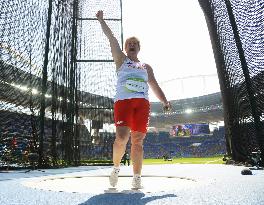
[237, 34]
[57, 75]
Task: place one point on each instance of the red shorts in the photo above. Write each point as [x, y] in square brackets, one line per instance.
[133, 113]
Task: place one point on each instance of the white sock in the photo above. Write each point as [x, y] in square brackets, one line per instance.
[137, 176]
[116, 169]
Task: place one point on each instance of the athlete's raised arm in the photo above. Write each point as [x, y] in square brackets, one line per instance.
[117, 53]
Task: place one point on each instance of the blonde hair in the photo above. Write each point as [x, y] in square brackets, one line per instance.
[132, 38]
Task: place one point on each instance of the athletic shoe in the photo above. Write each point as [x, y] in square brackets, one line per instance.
[113, 179]
[136, 182]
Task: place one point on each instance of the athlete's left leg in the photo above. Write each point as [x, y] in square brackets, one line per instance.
[137, 139]
[137, 157]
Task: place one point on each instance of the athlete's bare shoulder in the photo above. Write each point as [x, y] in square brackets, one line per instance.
[148, 67]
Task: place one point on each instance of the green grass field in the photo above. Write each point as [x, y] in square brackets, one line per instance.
[191, 160]
[186, 160]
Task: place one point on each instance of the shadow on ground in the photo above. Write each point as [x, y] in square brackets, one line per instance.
[123, 197]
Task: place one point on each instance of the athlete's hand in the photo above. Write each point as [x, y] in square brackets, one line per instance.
[167, 107]
[100, 15]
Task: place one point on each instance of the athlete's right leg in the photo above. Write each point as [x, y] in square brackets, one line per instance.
[122, 114]
[119, 148]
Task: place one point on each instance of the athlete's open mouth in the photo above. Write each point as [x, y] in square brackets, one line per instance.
[131, 49]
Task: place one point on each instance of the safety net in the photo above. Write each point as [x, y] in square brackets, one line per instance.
[57, 78]
[237, 33]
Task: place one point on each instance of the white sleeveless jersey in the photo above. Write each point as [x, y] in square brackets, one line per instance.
[132, 78]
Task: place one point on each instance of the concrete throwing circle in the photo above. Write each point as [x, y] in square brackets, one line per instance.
[100, 184]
